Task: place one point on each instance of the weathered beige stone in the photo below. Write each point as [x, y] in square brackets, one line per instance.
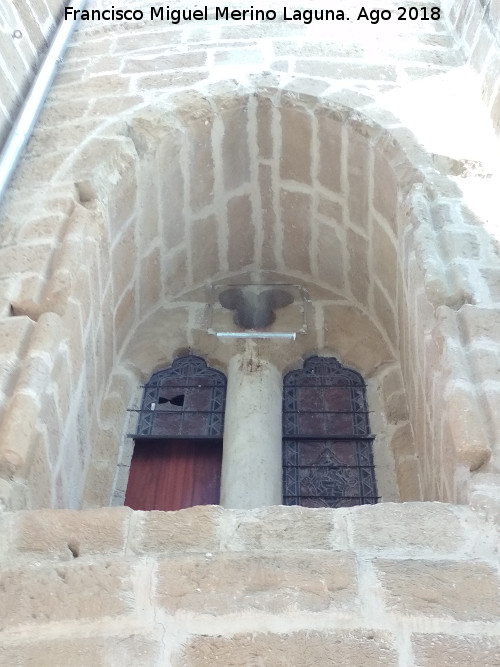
[296, 222]
[124, 317]
[356, 648]
[228, 583]
[402, 441]
[135, 647]
[176, 270]
[296, 138]
[329, 132]
[466, 591]
[281, 529]
[189, 530]
[358, 170]
[451, 651]
[358, 273]
[163, 62]
[205, 249]
[385, 193]
[150, 281]
[330, 257]
[356, 338]
[385, 259]
[64, 592]
[466, 429]
[268, 216]
[18, 434]
[241, 232]
[68, 534]
[123, 260]
[201, 165]
[265, 139]
[235, 151]
[385, 313]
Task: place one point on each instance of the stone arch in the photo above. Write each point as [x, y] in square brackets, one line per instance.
[312, 192]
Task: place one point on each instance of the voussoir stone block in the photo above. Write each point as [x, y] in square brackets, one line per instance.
[464, 591]
[188, 530]
[226, 583]
[356, 648]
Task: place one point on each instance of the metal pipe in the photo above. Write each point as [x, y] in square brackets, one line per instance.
[32, 105]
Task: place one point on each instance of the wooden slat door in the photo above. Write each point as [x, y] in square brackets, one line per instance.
[172, 474]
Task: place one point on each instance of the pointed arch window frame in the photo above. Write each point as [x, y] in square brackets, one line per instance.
[325, 407]
[202, 391]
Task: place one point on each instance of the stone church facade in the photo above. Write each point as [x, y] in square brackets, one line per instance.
[351, 165]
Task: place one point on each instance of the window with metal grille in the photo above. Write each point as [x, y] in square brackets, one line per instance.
[186, 400]
[327, 445]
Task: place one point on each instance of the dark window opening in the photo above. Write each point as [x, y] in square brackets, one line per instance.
[327, 444]
[178, 441]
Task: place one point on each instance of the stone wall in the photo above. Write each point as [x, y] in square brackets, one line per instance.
[477, 27]
[166, 175]
[412, 585]
[26, 27]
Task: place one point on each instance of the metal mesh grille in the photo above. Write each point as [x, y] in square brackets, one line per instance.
[185, 400]
[327, 445]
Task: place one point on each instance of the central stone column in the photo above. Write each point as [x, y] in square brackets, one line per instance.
[251, 462]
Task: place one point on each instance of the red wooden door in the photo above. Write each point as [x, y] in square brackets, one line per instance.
[171, 474]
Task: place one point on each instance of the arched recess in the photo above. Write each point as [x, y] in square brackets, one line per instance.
[177, 455]
[259, 185]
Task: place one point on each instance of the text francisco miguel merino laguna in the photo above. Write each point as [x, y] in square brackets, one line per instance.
[203, 14]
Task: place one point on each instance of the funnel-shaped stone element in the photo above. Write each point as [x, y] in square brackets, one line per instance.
[254, 306]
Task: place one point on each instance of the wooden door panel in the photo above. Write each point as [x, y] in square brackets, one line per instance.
[174, 474]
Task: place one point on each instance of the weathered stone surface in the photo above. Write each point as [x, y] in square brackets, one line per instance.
[67, 592]
[281, 529]
[241, 232]
[451, 651]
[417, 527]
[295, 162]
[189, 530]
[465, 591]
[68, 534]
[295, 219]
[233, 582]
[354, 648]
[133, 648]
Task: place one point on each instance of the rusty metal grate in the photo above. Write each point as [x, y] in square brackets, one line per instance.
[327, 444]
[186, 400]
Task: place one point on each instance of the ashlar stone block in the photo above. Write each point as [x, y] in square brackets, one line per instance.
[68, 534]
[185, 531]
[464, 591]
[233, 582]
[241, 232]
[296, 140]
[452, 651]
[356, 648]
[37, 595]
[296, 222]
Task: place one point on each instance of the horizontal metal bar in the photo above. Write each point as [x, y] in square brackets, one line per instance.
[140, 436]
[332, 497]
[330, 467]
[328, 437]
[157, 411]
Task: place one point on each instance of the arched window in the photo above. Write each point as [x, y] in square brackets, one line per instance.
[178, 442]
[327, 445]
[185, 400]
